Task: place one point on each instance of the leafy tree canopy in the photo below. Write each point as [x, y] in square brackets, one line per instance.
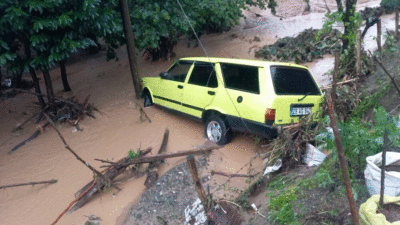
[53, 28]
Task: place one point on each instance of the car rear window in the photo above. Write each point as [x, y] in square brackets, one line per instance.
[240, 77]
[293, 81]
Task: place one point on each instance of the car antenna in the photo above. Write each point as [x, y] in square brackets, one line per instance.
[208, 57]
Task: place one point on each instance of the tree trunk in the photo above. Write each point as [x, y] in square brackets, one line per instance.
[339, 5]
[18, 79]
[130, 47]
[35, 80]
[49, 89]
[350, 9]
[64, 76]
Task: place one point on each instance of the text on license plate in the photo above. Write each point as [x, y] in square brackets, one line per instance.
[300, 111]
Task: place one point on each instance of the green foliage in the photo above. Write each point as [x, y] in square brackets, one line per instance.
[53, 29]
[390, 5]
[371, 100]
[362, 139]
[353, 25]
[133, 155]
[281, 206]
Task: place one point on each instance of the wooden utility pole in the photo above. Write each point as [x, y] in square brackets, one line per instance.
[385, 140]
[196, 180]
[339, 146]
[358, 59]
[130, 47]
[378, 37]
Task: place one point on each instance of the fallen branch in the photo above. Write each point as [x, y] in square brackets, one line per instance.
[104, 179]
[72, 203]
[105, 161]
[31, 138]
[94, 186]
[152, 176]
[230, 175]
[161, 156]
[142, 112]
[339, 83]
[30, 118]
[53, 181]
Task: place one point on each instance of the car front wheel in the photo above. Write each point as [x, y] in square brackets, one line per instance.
[218, 130]
[147, 99]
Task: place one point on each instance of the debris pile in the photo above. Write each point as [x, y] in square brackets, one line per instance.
[303, 48]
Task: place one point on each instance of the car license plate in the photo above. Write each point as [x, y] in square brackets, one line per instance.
[300, 111]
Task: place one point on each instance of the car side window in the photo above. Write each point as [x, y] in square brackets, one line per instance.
[203, 74]
[179, 71]
[241, 77]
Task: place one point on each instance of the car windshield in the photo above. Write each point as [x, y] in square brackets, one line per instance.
[293, 81]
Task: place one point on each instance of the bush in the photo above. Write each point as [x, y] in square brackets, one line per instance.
[390, 5]
[362, 139]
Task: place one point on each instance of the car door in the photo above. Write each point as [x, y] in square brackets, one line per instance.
[200, 89]
[243, 92]
[170, 87]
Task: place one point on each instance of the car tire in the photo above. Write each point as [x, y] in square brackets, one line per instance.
[147, 99]
[218, 130]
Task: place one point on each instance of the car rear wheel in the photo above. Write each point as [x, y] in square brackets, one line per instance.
[218, 130]
[147, 99]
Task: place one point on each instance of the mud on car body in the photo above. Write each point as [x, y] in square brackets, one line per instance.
[235, 95]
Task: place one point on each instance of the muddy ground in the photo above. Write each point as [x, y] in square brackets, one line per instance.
[117, 130]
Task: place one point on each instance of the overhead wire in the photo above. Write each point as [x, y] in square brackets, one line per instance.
[209, 59]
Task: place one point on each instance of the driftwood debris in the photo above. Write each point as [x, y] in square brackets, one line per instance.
[115, 169]
[111, 173]
[147, 159]
[68, 110]
[34, 135]
[152, 175]
[230, 175]
[53, 181]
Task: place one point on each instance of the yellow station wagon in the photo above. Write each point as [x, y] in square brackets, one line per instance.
[235, 95]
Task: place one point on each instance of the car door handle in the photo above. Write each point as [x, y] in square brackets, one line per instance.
[211, 92]
[180, 86]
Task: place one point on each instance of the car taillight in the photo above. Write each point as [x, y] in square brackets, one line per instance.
[270, 116]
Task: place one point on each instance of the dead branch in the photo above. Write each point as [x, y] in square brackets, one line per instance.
[104, 179]
[161, 156]
[230, 175]
[339, 146]
[385, 140]
[152, 176]
[30, 118]
[110, 173]
[105, 161]
[73, 202]
[142, 112]
[387, 73]
[53, 181]
[340, 83]
[40, 130]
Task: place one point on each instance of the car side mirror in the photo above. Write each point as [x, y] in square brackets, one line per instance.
[164, 75]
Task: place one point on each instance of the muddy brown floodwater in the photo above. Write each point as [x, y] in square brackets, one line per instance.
[118, 129]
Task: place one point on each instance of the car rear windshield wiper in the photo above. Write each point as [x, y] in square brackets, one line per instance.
[300, 99]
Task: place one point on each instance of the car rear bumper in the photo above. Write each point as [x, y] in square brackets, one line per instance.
[244, 125]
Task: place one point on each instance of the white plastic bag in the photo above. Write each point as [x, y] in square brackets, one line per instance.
[196, 212]
[313, 156]
[275, 167]
[372, 175]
